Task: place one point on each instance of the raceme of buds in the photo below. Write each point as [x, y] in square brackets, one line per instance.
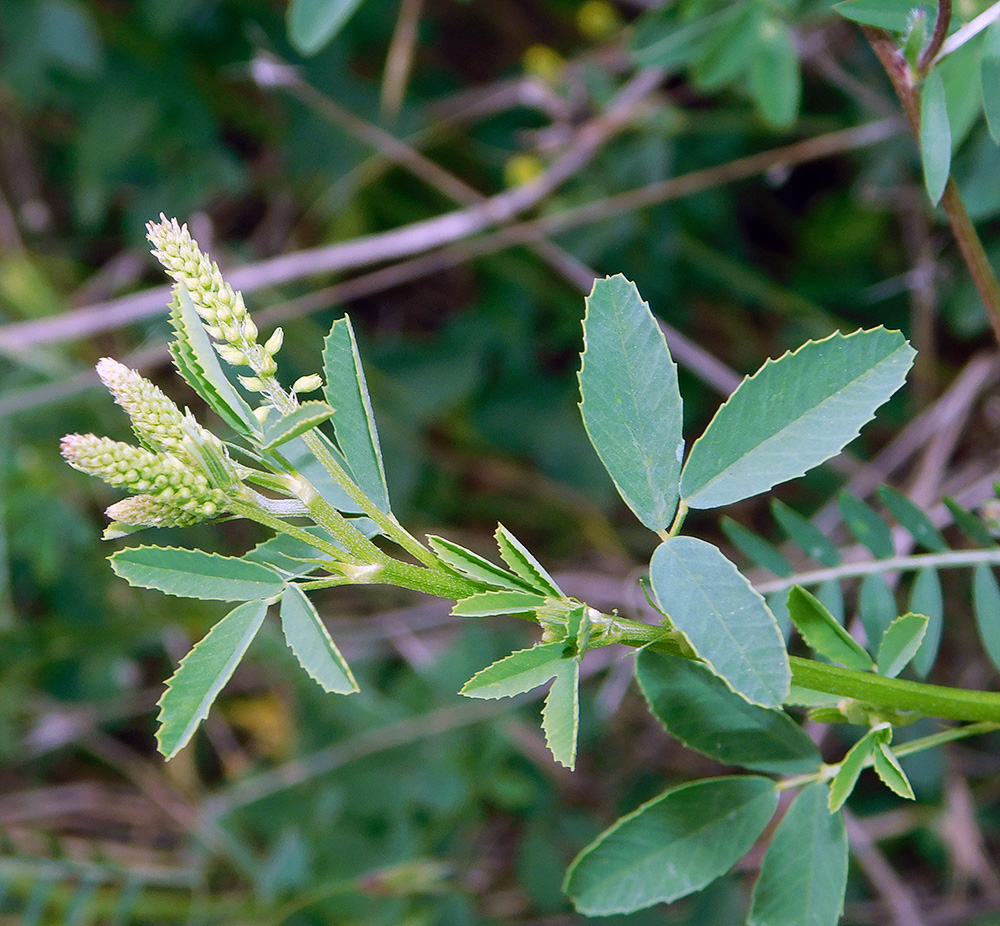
[219, 305]
[155, 419]
[179, 491]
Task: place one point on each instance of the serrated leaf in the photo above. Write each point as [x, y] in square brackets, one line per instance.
[793, 414]
[516, 555]
[900, 642]
[725, 620]
[697, 708]
[671, 846]
[804, 873]
[486, 604]
[850, 768]
[303, 418]
[561, 713]
[198, 363]
[755, 547]
[822, 633]
[876, 607]
[867, 527]
[196, 574]
[805, 534]
[289, 555]
[887, 768]
[775, 80]
[631, 403]
[894, 15]
[831, 596]
[314, 23]
[986, 605]
[203, 673]
[926, 598]
[935, 136]
[354, 422]
[991, 78]
[517, 673]
[913, 519]
[475, 566]
[970, 524]
[309, 640]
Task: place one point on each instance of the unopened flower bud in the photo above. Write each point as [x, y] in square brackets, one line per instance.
[309, 383]
[273, 344]
[251, 383]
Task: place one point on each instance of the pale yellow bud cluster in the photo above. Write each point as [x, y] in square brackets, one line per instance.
[156, 420]
[219, 305]
[169, 484]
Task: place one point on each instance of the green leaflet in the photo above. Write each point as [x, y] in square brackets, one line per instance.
[850, 768]
[303, 418]
[561, 713]
[516, 555]
[991, 79]
[867, 527]
[793, 414]
[775, 80]
[805, 534]
[309, 640]
[671, 846]
[986, 605]
[822, 633]
[203, 673]
[926, 598]
[486, 604]
[289, 555]
[804, 873]
[887, 768]
[755, 547]
[196, 574]
[354, 422]
[313, 23]
[894, 15]
[935, 136]
[517, 673]
[900, 642]
[662, 40]
[631, 404]
[697, 708]
[723, 618]
[300, 459]
[475, 566]
[198, 363]
[913, 519]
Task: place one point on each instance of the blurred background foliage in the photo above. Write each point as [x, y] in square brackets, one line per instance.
[405, 804]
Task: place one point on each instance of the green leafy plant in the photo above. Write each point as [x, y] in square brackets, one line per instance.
[716, 671]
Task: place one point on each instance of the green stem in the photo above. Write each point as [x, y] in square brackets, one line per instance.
[431, 581]
[897, 693]
[388, 525]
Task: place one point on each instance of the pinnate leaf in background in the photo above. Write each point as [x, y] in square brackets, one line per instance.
[986, 605]
[866, 525]
[926, 598]
[792, 414]
[725, 620]
[671, 846]
[913, 519]
[313, 23]
[991, 79]
[631, 403]
[203, 673]
[805, 535]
